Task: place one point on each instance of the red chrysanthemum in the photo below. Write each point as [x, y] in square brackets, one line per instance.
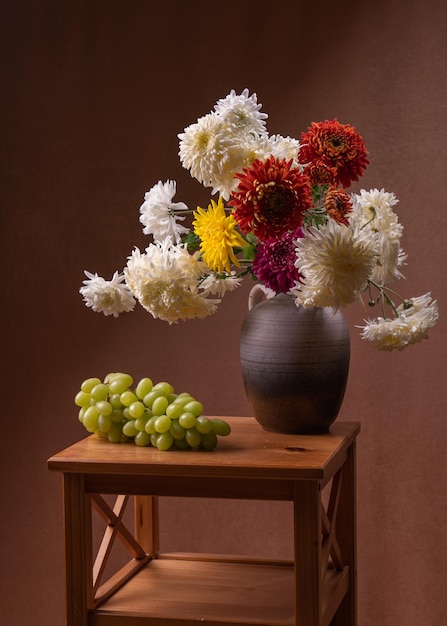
[338, 146]
[271, 198]
[320, 173]
[274, 262]
[338, 204]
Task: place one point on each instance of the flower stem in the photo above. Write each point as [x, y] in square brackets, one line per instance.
[385, 297]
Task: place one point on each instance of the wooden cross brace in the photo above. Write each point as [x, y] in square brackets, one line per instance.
[115, 528]
[330, 547]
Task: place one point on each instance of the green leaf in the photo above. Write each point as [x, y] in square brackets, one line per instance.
[315, 218]
[249, 252]
[318, 193]
[192, 241]
[251, 238]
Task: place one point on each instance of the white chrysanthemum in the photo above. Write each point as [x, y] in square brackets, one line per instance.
[335, 262]
[207, 147]
[165, 280]
[220, 284]
[373, 209]
[242, 112]
[110, 297]
[248, 149]
[213, 153]
[376, 204]
[414, 318]
[241, 155]
[159, 214]
[284, 148]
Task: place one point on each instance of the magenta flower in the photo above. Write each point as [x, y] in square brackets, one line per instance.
[274, 262]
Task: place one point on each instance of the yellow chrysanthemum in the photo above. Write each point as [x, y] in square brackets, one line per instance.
[218, 236]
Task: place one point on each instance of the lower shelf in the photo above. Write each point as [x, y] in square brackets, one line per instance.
[171, 592]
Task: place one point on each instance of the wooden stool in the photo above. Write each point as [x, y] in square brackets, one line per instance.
[317, 588]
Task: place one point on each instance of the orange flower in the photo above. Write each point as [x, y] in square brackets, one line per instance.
[337, 146]
[320, 173]
[338, 204]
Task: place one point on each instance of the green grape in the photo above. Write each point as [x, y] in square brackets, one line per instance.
[127, 378]
[150, 425]
[118, 382]
[88, 384]
[209, 440]
[181, 444]
[187, 420]
[104, 407]
[136, 409]
[82, 398]
[150, 397]
[193, 437]
[104, 423]
[90, 419]
[176, 430]
[160, 405]
[117, 415]
[140, 423]
[220, 427]
[195, 407]
[142, 438]
[165, 441]
[100, 392]
[162, 423]
[115, 433]
[115, 400]
[203, 424]
[127, 397]
[166, 388]
[129, 429]
[183, 399]
[91, 411]
[174, 411]
[118, 386]
[149, 414]
[143, 388]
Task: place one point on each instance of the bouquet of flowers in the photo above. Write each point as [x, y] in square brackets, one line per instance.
[282, 214]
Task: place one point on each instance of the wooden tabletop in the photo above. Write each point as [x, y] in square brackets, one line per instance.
[248, 452]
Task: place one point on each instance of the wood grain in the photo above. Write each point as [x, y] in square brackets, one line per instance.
[180, 589]
[247, 452]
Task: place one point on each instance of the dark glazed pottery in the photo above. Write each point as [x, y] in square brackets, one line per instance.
[295, 364]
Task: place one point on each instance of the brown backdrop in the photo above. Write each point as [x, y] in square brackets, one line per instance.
[93, 96]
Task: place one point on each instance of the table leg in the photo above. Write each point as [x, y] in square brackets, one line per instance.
[147, 524]
[307, 531]
[78, 550]
[346, 614]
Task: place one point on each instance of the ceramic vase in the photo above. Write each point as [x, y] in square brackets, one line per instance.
[295, 364]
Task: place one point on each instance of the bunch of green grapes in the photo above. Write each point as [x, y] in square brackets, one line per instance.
[148, 414]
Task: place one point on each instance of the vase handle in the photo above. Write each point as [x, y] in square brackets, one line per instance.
[258, 294]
